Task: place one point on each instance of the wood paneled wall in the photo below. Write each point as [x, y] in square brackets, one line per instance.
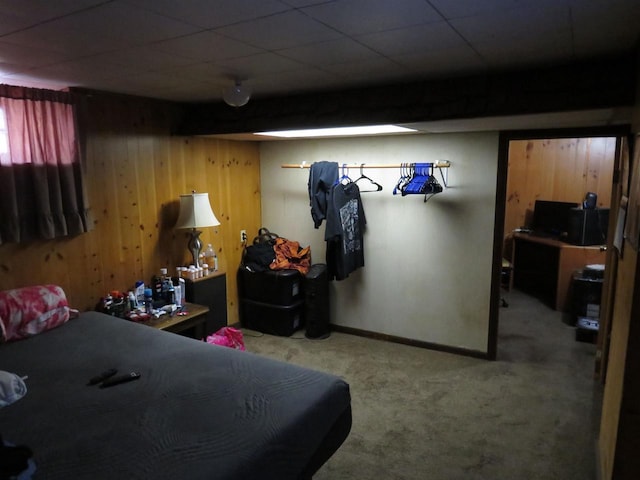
[135, 171]
[556, 169]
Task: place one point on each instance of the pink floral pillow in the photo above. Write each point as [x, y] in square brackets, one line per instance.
[30, 310]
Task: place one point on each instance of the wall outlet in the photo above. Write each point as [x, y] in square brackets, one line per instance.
[243, 236]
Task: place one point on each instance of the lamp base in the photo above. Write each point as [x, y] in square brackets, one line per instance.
[195, 246]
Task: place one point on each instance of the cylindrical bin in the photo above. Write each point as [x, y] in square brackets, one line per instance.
[316, 291]
[586, 295]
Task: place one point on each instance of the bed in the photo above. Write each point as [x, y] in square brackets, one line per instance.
[198, 411]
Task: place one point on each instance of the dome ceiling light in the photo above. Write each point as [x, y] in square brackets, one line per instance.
[236, 95]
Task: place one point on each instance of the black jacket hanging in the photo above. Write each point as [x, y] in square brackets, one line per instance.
[322, 176]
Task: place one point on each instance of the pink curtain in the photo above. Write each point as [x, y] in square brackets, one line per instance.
[41, 194]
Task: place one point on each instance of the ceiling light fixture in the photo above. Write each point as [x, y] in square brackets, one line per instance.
[338, 131]
[236, 95]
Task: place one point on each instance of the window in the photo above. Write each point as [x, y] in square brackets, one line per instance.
[42, 195]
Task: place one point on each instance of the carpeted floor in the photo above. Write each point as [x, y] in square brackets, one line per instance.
[420, 414]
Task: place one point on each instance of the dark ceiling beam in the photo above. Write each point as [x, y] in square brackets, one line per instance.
[599, 83]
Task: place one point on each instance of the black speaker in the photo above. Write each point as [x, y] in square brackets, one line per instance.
[316, 302]
[588, 226]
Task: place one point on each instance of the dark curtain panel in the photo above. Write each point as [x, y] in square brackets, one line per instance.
[41, 190]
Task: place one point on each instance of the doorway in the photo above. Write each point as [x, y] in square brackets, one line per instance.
[558, 165]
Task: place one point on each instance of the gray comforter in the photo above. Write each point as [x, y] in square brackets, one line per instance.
[198, 411]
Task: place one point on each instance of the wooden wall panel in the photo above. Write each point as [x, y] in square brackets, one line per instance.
[556, 169]
[135, 171]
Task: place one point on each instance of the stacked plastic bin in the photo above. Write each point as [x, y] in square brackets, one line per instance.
[271, 302]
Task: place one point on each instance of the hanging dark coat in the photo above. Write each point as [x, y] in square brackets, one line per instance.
[322, 176]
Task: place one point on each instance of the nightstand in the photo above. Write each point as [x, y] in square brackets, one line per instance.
[212, 292]
[191, 325]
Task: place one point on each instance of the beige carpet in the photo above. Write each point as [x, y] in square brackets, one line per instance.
[420, 414]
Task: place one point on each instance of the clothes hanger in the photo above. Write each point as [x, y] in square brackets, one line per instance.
[405, 178]
[344, 179]
[411, 182]
[377, 186]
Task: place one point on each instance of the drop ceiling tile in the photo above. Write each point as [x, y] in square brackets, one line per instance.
[196, 92]
[471, 8]
[18, 15]
[81, 72]
[542, 50]
[99, 29]
[155, 80]
[280, 31]
[412, 39]
[147, 84]
[296, 82]
[125, 23]
[208, 14]
[28, 57]
[439, 63]
[62, 37]
[206, 46]
[358, 17]
[200, 72]
[254, 66]
[597, 30]
[303, 3]
[513, 24]
[382, 69]
[146, 57]
[329, 52]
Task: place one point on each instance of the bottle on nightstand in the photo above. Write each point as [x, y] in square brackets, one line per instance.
[211, 258]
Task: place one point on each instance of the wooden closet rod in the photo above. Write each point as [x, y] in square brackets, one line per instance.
[437, 164]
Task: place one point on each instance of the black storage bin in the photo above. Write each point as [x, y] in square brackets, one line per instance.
[277, 287]
[316, 296]
[280, 320]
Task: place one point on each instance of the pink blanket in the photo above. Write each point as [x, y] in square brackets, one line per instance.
[30, 310]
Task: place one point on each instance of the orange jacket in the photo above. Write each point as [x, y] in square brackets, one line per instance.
[289, 255]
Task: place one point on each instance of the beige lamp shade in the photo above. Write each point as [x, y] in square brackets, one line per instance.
[196, 212]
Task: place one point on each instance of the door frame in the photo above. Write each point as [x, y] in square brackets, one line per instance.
[505, 138]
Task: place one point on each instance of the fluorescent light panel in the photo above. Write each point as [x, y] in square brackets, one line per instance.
[338, 131]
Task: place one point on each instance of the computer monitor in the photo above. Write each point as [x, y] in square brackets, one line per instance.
[551, 217]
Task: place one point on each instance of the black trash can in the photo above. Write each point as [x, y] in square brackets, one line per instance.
[316, 292]
[587, 293]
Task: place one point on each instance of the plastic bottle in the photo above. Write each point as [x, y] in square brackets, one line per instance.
[178, 293]
[191, 273]
[183, 291]
[148, 300]
[133, 303]
[139, 291]
[211, 258]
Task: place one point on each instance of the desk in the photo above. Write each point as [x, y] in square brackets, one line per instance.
[545, 266]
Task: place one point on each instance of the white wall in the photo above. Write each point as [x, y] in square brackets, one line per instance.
[427, 273]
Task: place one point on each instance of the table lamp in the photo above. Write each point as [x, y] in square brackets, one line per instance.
[195, 212]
